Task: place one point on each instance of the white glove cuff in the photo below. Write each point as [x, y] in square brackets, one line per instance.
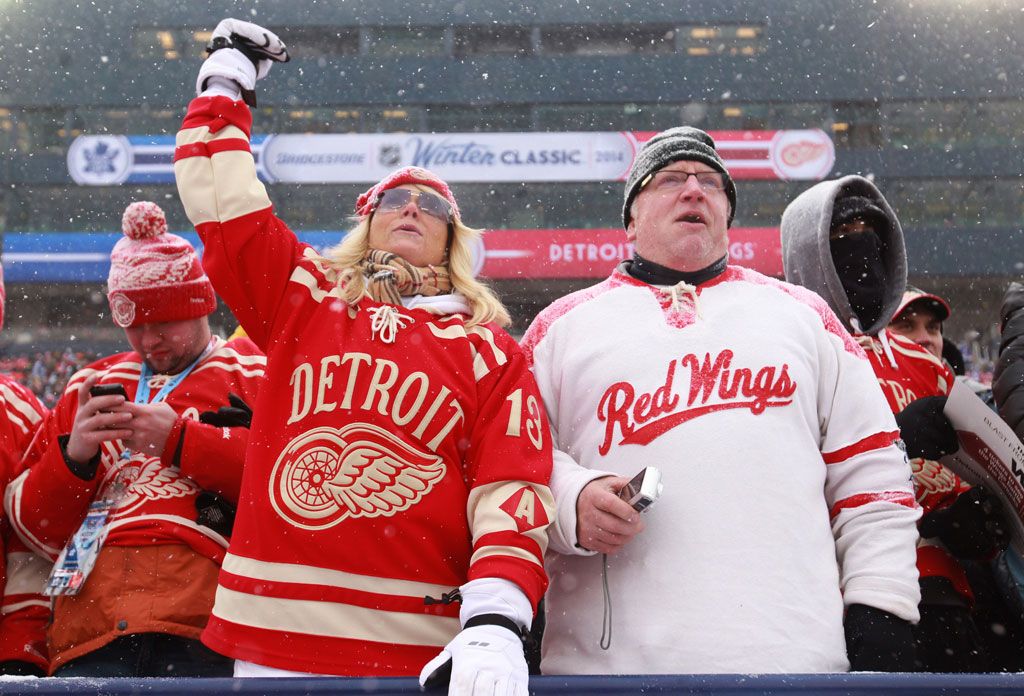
[228, 63]
[495, 596]
[222, 87]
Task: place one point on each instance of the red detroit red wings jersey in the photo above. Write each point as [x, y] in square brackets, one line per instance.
[48, 502]
[378, 473]
[22, 575]
[915, 375]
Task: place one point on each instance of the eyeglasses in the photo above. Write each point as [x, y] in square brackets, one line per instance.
[397, 198]
[672, 180]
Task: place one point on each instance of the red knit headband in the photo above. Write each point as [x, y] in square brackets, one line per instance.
[406, 175]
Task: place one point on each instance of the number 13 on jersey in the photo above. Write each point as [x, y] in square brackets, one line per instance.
[533, 421]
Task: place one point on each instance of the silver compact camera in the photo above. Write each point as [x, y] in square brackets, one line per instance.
[643, 489]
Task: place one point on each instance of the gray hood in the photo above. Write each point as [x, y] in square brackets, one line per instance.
[807, 256]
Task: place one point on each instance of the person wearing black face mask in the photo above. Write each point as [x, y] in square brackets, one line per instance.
[857, 252]
[842, 240]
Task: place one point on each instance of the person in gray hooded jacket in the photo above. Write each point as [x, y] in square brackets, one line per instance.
[842, 240]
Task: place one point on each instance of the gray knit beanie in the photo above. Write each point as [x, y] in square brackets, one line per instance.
[673, 145]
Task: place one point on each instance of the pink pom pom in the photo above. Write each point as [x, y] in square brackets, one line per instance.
[143, 220]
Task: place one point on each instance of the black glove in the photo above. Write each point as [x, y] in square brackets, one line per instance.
[20, 668]
[1008, 376]
[215, 512]
[237, 415]
[925, 430]
[973, 527]
[877, 641]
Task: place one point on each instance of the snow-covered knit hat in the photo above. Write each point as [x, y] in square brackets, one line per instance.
[674, 145]
[406, 175]
[155, 276]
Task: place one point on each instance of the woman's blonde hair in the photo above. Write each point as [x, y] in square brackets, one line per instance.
[483, 303]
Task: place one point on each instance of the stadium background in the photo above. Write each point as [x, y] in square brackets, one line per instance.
[924, 96]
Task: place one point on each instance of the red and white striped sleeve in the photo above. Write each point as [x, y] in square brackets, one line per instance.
[45, 502]
[248, 252]
[508, 464]
[868, 486]
[22, 414]
[25, 611]
[214, 456]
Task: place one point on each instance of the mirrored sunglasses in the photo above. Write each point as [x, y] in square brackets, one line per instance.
[428, 203]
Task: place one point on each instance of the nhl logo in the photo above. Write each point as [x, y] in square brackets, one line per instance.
[389, 155]
[122, 309]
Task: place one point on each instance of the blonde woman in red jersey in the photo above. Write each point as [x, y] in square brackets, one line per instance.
[399, 449]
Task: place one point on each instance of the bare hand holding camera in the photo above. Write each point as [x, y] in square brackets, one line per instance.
[643, 489]
[605, 523]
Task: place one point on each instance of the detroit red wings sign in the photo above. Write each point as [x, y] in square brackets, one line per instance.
[715, 385]
[326, 475]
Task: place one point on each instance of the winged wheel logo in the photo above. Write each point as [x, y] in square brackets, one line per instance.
[327, 475]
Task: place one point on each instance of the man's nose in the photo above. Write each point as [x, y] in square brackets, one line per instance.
[691, 189]
[151, 337]
[920, 336]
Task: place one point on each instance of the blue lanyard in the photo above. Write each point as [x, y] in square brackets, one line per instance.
[142, 393]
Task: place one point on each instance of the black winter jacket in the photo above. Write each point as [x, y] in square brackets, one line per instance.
[1008, 381]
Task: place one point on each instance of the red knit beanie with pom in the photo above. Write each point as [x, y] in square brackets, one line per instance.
[155, 276]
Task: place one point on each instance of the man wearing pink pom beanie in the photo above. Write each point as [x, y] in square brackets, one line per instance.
[133, 475]
[156, 277]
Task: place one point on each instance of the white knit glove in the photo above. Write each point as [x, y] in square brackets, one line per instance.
[486, 658]
[480, 660]
[241, 52]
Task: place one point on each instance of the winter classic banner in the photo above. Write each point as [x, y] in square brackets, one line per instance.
[84, 257]
[103, 160]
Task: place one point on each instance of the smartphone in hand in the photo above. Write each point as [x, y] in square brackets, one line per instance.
[108, 390]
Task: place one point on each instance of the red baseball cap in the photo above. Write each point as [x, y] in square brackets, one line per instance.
[935, 303]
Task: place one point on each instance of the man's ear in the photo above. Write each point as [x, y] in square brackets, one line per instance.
[631, 230]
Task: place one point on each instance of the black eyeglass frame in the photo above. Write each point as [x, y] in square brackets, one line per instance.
[686, 177]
